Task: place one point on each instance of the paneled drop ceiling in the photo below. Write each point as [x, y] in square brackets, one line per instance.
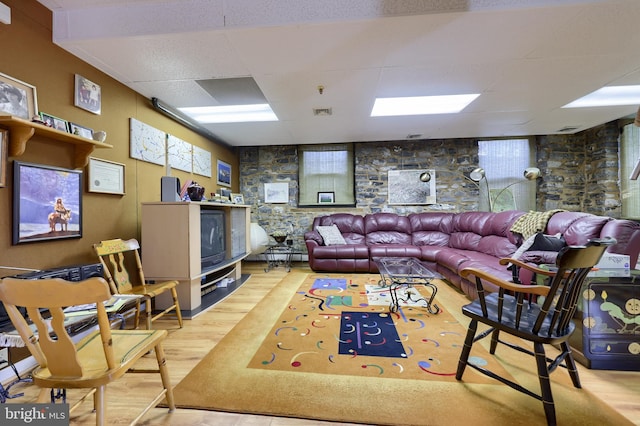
[526, 58]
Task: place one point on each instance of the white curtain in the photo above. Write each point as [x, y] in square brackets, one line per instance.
[504, 162]
[629, 156]
[326, 168]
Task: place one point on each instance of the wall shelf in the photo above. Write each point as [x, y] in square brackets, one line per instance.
[21, 131]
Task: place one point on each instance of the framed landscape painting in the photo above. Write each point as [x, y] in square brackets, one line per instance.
[47, 203]
[224, 173]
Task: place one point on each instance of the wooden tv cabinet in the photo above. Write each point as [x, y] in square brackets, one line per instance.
[170, 247]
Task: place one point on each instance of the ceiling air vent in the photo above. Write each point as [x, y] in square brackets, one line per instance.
[322, 111]
[566, 129]
[414, 135]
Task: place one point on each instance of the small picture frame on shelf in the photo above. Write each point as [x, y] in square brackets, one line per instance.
[237, 198]
[225, 193]
[326, 197]
[79, 130]
[54, 122]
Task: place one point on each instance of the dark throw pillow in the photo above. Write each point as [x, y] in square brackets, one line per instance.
[544, 242]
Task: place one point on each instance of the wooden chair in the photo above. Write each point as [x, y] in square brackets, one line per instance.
[98, 359]
[546, 321]
[119, 257]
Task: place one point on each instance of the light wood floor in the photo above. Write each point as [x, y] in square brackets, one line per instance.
[186, 346]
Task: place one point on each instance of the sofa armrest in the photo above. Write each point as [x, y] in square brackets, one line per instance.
[313, 236]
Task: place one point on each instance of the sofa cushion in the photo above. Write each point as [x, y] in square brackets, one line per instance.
[430, 229]
[387, 228]
[351, 226]
[331, 235]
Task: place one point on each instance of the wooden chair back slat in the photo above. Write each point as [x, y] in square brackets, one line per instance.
[54, 347]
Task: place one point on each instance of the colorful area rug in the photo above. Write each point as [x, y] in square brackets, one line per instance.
[326, 347]
[343, 326]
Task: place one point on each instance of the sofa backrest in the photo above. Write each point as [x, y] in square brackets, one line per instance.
[576, 227]
[431, 228]
[485, 232]
[387, 228]
[351, 226]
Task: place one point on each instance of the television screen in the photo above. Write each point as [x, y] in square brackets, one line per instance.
[212, 237]
[47, 203]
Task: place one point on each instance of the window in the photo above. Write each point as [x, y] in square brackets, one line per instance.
[504, 162]
[326, 169]
[629, 156]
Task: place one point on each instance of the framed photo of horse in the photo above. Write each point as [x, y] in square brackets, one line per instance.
[47, 203]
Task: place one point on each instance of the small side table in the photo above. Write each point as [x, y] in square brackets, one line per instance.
[279, 254]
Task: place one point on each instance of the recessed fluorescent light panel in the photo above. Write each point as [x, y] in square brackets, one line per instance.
[421, 105]
[608, 96]
[231, 113]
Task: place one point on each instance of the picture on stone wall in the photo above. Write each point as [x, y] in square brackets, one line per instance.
[406, 188]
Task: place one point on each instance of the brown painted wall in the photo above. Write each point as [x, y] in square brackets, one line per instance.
[29, 55]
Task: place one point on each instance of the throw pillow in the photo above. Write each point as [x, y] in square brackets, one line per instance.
[524, 247]
[544, 242]
[331, 235]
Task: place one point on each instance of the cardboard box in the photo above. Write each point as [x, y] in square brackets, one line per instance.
[613, 272]
[614, 261]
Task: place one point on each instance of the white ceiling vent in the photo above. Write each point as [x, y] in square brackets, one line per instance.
[414, 135]
[322, 111]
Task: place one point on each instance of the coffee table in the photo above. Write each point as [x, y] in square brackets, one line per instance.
[407, 272]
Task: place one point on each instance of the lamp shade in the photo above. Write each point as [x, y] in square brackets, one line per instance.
[531, 173]
[477, 174]
[425, 176]
[259, 238]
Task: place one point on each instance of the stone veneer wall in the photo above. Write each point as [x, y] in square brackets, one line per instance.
[579, 173]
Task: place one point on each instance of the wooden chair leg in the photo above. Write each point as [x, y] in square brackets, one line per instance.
[164, 375]
[571, 365]
[176, 303]
[136, 322]
[44, 396]
[545, 383]
[147, 312]
[466, 349]
[494, 341]
[99, 400]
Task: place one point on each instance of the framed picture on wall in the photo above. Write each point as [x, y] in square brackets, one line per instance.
[406, 187]
[277, 192]
[47, 203]
[105, 176]
[326, 197]
[224, 173]
[4, 135]
[17, 98]
[87, 95]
